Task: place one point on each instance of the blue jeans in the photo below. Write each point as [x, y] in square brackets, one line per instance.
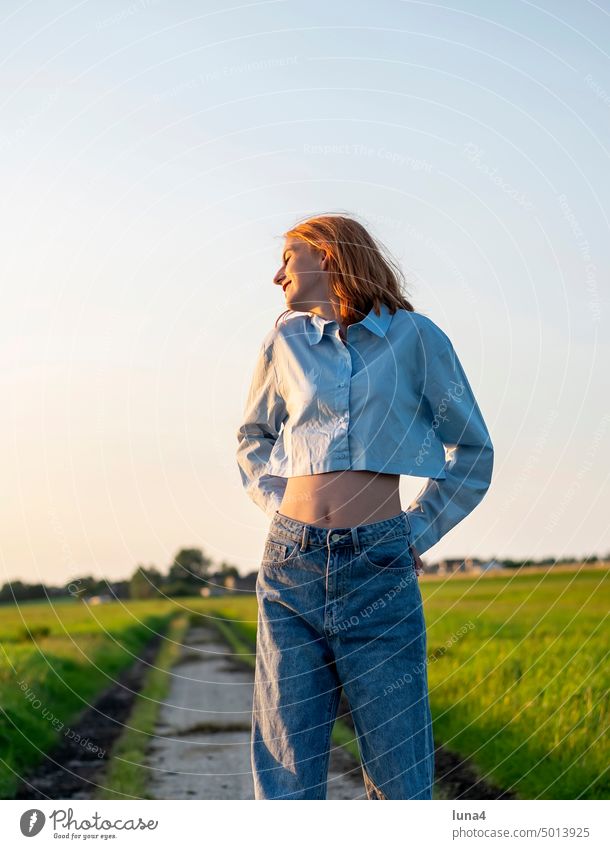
[340, 608]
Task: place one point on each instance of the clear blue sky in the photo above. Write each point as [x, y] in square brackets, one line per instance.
[152, 155]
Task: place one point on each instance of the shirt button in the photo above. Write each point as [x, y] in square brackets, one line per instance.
[335, 537]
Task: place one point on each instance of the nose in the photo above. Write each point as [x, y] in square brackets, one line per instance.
[279, 277]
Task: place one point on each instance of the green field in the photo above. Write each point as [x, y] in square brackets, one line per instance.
[518, 677]
[517, 672]
[54, 660]
[525, 692]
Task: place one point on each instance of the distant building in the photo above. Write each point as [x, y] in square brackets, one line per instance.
[446, 567]
[220, 584]
[245, 583]
[467, 564]
[98, 599]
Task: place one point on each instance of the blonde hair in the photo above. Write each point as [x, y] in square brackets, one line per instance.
[362, 274]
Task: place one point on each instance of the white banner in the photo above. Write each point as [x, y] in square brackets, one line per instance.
[200, 823]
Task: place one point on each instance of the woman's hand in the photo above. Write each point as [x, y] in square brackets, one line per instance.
[419, 566]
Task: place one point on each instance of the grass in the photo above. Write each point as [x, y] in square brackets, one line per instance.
[524, 692]
[517, 672]
[49, 677]
[518, 676]
[125, 777]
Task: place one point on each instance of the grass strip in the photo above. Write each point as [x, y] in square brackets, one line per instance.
[243, 649]
[125, 777]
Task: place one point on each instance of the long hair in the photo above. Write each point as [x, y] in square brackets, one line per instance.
[362, 274]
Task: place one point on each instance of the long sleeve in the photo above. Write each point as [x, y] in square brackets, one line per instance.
[263, 415]
[444, 502]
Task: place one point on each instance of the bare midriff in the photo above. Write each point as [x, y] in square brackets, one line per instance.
[341, 499]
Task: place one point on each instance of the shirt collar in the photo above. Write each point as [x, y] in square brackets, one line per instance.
[377, 324]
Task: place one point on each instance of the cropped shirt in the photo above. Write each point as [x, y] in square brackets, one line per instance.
[393, 398]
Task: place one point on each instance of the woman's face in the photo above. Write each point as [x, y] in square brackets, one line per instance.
[302, 275]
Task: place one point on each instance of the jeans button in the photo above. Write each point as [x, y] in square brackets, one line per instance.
[335, 537]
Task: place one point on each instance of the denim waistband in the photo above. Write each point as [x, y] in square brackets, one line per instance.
[387, 529]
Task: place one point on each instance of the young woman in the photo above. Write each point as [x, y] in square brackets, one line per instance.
[351, 390]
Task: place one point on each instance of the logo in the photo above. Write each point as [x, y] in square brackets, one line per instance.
[31, 822]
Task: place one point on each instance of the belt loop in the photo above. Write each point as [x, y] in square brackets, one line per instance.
[408, 522]
[305, 537]
[355, 540]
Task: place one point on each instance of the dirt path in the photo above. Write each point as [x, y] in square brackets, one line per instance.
[201, 747]
[202, 744]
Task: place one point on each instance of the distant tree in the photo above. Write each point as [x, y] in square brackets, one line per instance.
[8, 590]
[180, 588]
[20, 591]
[513, 564]
[188, 572]
[145, 583]
[15, 591]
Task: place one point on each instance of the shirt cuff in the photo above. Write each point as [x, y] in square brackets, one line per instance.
[423, 534]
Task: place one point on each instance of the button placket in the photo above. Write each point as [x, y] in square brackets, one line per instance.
[342, 401]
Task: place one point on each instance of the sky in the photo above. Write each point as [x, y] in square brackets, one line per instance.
[152, 155]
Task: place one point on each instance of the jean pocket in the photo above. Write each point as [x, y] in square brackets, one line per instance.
[278, 552]
[393, 555]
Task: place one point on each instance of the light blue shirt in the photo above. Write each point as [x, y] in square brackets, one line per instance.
[394, 399]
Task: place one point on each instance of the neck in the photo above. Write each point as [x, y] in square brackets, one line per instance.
[329, 310]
